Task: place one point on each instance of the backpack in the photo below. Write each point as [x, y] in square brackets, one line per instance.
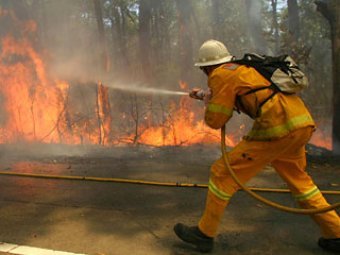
[283, 73]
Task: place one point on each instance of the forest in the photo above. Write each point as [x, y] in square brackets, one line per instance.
[70, 71]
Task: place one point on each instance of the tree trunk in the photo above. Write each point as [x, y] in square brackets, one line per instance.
[276, 27]
[100, 133]
[145, 37]
[293, 19]
[293, 47]
[217, 20]
[255, 26]
[330, 10]
[184, 8]
[119, 37]
[102, 42]
[104, 114]
[135, 116]
[103, 102]
[160, 33]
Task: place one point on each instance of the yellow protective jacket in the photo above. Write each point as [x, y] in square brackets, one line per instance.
[279, 116]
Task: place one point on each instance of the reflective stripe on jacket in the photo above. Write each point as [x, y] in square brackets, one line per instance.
[280, 115]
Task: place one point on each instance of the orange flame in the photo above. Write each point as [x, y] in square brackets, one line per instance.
[321, 140]
[33, 104]
[181, 127]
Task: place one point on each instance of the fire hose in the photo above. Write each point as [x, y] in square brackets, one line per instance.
[143, 182]
[262, 199]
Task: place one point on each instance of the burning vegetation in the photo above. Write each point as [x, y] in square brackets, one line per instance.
[41, 106]
[38, 108]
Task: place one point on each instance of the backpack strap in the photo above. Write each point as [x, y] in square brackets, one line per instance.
[275, 90]
[257, 62]
[272, 86]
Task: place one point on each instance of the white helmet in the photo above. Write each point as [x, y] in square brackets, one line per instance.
[213, 52]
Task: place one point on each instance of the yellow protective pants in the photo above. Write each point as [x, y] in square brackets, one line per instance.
[287, 156]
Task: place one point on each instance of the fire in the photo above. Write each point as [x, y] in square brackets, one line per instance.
[36, 107]
[321, 140]
[32, 102]
[181, 128]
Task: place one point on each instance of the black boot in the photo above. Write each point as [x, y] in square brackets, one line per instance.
[330, 244]
[194, 236]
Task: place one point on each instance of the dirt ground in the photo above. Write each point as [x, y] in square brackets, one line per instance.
[117, 218]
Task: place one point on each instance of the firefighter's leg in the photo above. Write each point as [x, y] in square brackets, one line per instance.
[291, 167]
[246, 159]
[307, 194]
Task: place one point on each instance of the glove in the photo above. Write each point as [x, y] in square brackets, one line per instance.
[197, 94]
[207, 96]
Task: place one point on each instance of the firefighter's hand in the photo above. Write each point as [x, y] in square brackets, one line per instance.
[207, 96]
[197, 94]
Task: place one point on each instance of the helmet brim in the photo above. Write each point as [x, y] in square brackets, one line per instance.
[214, 62]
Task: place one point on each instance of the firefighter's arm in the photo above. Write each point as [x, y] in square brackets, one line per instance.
[219, 108]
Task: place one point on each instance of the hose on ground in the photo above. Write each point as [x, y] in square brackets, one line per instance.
[249, 190]
[262, 199]
[143, 182]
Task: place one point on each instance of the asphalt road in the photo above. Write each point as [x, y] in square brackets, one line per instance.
[112, 218]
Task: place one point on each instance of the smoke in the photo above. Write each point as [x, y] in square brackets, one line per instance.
[69, 39]
[76, 67]
[255, 26]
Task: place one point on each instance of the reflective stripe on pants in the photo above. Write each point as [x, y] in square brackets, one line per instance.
[287, 156]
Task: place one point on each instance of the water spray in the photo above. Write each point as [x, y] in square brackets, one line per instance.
[139, 89]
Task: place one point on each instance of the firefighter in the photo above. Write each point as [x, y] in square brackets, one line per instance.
[282, 127]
